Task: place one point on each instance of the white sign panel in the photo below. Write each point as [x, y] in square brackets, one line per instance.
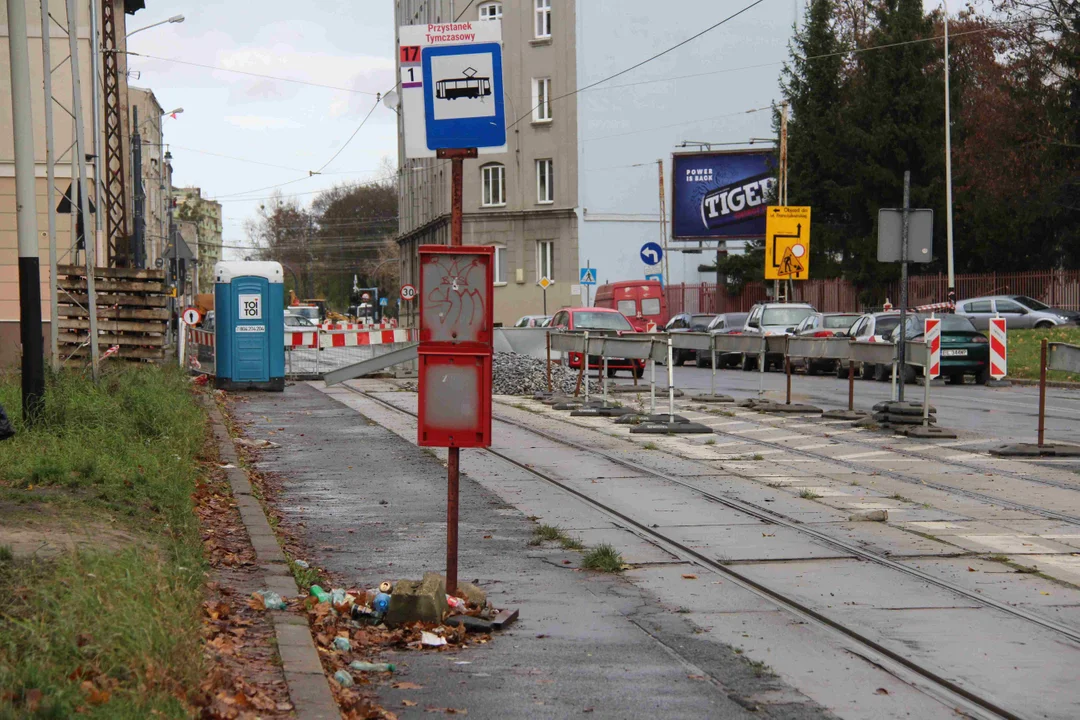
[250, 307]
[464, 85]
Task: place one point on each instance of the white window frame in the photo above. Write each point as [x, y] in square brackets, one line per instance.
[542, 20]
[487, 195]
[499, 260]
[545, 192]
[545, 258]
[541, 100]
[491, 11]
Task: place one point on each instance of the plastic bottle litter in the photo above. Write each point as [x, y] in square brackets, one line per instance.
[337, 597]
[271, 600]
[372, 667]
[385, 587]
[343, 678]
[320, 594]
[364, 614]
[455, 603]
[342, 644]
[301, 564]
[381, 603]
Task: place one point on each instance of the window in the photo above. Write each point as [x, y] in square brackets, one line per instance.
[627, 307]
[561, 319]
[591, 320]
[1008, 306]
[541, 100]
[543, 18]
[982, 306]
[491, 11]
[545, 192]
[545, 259]
[650, 306]
[500, 265]
[494, 185]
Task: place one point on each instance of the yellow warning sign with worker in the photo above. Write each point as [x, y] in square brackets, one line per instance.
[787, 242]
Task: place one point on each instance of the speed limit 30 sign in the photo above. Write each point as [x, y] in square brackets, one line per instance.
[408, 292]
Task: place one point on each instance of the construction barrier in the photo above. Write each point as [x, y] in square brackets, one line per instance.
[310, 355]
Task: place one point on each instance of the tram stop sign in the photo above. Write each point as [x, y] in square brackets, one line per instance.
[452, 87]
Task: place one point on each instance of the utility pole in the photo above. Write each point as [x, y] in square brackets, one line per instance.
[79, 160]
[951, 295]
[663, 223]
[139, 251]
[33, 351]
[782, 184]
[901, 350]
[50, 195]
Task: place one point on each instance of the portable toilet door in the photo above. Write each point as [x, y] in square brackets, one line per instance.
[250, 314]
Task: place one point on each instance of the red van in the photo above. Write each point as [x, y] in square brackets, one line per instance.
[641, 301]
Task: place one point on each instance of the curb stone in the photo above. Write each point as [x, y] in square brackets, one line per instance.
[309, 689]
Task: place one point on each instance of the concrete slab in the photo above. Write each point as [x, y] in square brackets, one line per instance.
[741, 543]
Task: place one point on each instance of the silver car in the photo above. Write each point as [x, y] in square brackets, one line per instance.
[773, 319]
[1020, 311]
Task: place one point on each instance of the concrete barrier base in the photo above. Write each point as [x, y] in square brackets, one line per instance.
[927, 432]
[641, 389]
[712, 398]
[668, 428]
[844, 414]
[785, 408]
[601, 412]
[1034, 450]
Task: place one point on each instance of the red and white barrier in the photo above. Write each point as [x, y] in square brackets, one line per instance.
[932, 335]
[385, 325]
[349, 338]
[942, 307]
[999, 349]
[200, 337]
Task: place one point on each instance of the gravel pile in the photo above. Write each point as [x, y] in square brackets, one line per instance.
[514, 374]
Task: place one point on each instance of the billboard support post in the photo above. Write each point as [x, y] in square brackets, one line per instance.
[782, 190]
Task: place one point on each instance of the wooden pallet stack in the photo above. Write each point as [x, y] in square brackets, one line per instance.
[132, 313]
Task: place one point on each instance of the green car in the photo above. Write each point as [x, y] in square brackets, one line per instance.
[964, 350]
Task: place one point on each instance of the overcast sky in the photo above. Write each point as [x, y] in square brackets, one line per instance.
[342, 43]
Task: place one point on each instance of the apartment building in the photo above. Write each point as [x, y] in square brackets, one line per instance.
[598, 154]
[156, 172]
[522, 201]
[206, 214]
[61, 79]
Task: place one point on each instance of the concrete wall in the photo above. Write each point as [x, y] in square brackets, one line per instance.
[627, 124]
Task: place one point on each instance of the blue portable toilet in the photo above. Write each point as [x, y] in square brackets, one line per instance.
[249, 311]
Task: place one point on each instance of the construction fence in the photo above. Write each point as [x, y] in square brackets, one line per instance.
[1057, 288]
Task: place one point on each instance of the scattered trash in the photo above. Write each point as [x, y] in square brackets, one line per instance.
[385, 587]
[455, 603]
[6, 430]
[271, 599]
[381, 603]
[226, 466]
[246, 442]
[320, 594]
[338, 598]
[343, 678]
[431, 639]
[342, 644]
[301, 564]
[361, 666]
[870, 516]
[470, 623]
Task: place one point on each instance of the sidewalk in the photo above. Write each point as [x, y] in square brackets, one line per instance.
[370, 506]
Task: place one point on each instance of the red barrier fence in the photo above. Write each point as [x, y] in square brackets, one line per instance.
[1058, 288]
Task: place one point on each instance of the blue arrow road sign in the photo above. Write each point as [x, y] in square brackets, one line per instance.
[659, 277]
[652, 253]
[588, 276]
[463, 101]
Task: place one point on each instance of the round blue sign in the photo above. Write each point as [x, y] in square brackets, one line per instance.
[652, 253]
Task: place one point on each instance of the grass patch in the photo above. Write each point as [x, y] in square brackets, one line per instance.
[110, 633]
[604, 558]
[710, 441]
[758, 457]
[809, 495]
[651, 446]
[901, 498]
[1025, 347]
[554, 533]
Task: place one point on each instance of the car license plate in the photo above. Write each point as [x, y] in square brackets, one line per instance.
[960, 352]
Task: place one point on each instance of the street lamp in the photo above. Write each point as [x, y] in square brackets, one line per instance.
[173, 19]
[951, 295]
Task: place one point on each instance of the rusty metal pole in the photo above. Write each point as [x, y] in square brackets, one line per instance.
[457, 159]
[1042, 393]
[787, 368]
[548, 336]
[851, 385]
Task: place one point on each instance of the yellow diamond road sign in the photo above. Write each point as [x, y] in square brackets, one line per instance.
[545, 283]
[787, 243]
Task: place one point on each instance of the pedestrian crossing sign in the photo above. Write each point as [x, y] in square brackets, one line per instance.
[588, 276]
[787, 243]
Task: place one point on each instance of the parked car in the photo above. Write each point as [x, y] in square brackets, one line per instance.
[531, 321]
[964, 350]
[596, 318]
[823, 325]
[1020, 311]
[725, 324]
[298, 323]
[773, 319]
[687, 322]
[872, 327]
[641, 301]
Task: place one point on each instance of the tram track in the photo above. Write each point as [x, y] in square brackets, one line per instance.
[941, 687]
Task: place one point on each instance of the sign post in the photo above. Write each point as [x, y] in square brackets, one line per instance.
[587, 279]
[452, 104]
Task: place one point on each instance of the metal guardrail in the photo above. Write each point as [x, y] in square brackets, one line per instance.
[819, 348]
[874, 353]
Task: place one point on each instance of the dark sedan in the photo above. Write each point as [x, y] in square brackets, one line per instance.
[687, 322]
[964, 350]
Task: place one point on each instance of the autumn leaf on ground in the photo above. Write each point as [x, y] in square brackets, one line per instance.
[689, 576]
[408, 703]
[406, 686]
[256, 602]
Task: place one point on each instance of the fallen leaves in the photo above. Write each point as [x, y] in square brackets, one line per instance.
[689, 576]
[881, 691]
[405, 685]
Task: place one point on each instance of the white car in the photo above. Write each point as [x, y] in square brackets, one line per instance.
[872, 327]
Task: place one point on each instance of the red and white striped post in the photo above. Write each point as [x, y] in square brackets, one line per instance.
[932, 337]
[999, 353]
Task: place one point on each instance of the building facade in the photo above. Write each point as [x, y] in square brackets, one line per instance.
[206, 214]
[156, 172]
[609, 145]
[522, 201]
[62, 133]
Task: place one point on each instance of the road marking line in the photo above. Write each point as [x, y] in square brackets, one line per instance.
[855, 456]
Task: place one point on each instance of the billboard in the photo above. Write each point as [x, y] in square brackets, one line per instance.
[721, 195]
